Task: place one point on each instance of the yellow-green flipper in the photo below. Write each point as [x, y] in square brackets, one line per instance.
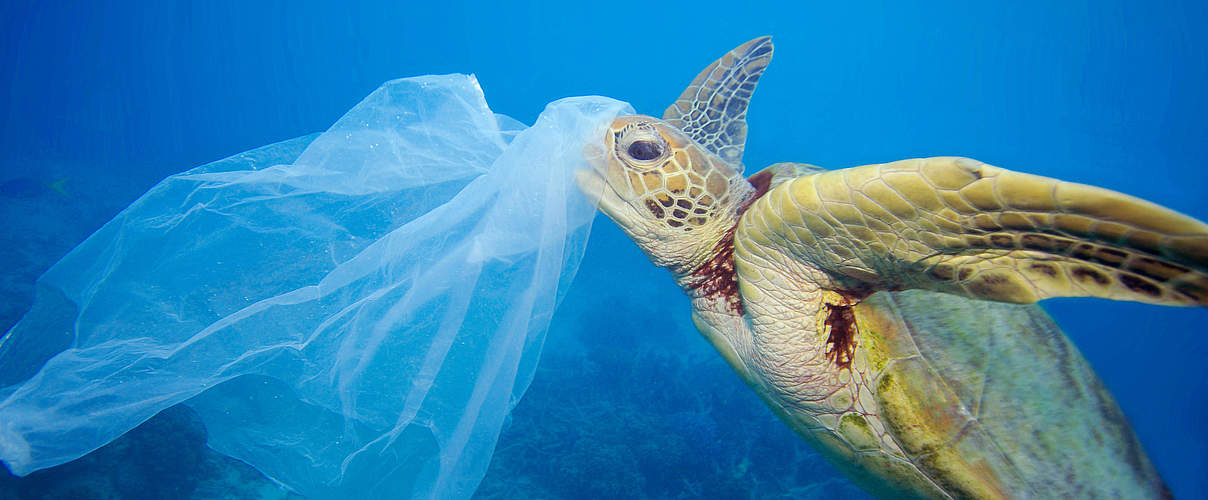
[885, 312]
[960, 226]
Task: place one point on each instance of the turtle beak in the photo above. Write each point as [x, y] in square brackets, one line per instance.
[592, 182]
[599, 193]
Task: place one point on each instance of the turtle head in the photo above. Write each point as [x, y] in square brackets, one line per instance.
[673, 197]
[675, 185]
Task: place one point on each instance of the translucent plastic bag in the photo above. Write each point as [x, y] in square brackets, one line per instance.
[354, 319]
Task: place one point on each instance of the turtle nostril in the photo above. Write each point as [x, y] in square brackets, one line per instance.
[644, 150]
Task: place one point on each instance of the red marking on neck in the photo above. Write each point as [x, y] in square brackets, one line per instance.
[761, 182]
[716, 278]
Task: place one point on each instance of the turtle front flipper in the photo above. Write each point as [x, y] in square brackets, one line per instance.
[713, 109]
[960, 226]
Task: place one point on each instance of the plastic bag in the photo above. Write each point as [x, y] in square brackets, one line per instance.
[355, 322]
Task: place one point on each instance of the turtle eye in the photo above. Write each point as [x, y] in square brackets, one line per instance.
[645, 150]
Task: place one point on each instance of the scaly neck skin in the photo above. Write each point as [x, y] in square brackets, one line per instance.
[712, 284]
[787, 361]
[710, 273]
[701, 260]
[764, 360]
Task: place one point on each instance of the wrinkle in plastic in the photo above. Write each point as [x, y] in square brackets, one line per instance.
[352, 313]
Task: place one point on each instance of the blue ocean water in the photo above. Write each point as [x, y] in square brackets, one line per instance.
[102, 101]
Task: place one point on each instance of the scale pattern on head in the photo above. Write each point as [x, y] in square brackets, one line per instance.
[675, 186]
[680, 169]
[713, 109]
[665, 173]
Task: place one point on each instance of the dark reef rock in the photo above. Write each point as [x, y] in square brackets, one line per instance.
[165, 457]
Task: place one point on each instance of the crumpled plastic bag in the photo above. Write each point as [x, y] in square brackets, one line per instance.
[352, 313]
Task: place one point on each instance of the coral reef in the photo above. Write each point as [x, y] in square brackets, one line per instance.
[165, 457]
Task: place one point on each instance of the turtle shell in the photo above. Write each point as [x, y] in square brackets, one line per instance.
[990, 400]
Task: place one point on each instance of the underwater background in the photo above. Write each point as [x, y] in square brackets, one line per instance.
[101, 100]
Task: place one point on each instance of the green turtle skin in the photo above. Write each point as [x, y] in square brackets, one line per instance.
[886, 312]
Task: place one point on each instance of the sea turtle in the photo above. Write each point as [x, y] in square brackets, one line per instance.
[885, 312]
